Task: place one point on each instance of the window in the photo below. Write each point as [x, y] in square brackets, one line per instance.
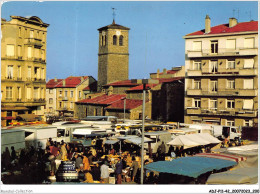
[19, 92]
[60, 104]
[248, 123]
[71, 105]
[71, 94]
[213, 66]
[31, 34]
[19, 72]
[196, 65]
[121, 38]
[37, 72]
[196, 84]
[248, 104]
[114, 40]
[9, 72]
[230, 103]
[248, 84]
[79, 94]
[20, 32]
[42, 74]
[19, 50]
[197, 46]
[66, 93]
[29, 72]
[36, 93]
[50, 109]
[197, 102]
[249, 63]
[10, 50]
[60, 93]
[43, 54]
[214, 46]
[249, 42]
[213, 104]
[231, 84]
[50, 91]
[42, 93]
[230, 123]
[103, 40]
[213, 85]
[28, 93]
[231, 44]
[29, 53]
[231, 64]
[50, 100]
[9, 93]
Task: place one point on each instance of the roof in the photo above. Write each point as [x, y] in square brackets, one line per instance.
[71, 82]
[113, 26]
[104, 99]
[86, 88]
[167, 72]
[31, 19]
[140, 87]
[224, 28]
[130, 104]
[122, 83]
[222, 156]
[190, 166]
[52, 83]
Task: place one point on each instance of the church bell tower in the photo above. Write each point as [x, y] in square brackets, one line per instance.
[113, 55]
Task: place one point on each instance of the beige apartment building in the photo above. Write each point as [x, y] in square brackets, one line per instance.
[23, 67]
[221, 65]
[61, 94]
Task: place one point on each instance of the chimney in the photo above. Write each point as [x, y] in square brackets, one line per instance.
[158, 72]
[232, 22]
[164, 71]
[63, 83]
[207, 24]
[81, 79]
[55, 79]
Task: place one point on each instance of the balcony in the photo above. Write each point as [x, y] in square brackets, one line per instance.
[19, 99]
[65, 98]
[34, 42]
[227, 92]
[19, 79]
[20, 58]
[192, 73]
[222, 112]
[194, 92]
[248, 71]
[35, 59]
[247, 92]
[222, 52]
[39, 100]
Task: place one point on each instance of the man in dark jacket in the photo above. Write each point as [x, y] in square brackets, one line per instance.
[162, 151]
[118, 171]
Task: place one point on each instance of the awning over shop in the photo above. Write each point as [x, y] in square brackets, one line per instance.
[190, 166]
[8, 118]
[110, 141]
[222, 156]
[138, 140]
[193, 140]
[27, 117]
[13, 108]
[126, 137]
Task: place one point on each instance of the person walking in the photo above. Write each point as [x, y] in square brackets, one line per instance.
[86, 162]
[104, 173]
[63, 152]
[118, 171]
[134, 167]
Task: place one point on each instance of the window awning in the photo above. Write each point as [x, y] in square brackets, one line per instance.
[13, 108]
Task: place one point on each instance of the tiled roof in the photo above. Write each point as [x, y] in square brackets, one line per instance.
[113, 26]
[140, 87]
[167, 72]
[122, 83]
[224, 28]
[71, 82]
[86, 88]
[51, 83]
[104, 99]
[130, 104]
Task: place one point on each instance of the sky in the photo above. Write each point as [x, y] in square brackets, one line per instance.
[155, 37]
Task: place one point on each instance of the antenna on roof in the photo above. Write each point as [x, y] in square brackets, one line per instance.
[249, 12]
[114, 14]
[234, 13]
[237, 14]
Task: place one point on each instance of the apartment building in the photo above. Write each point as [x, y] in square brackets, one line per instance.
[221, 65]
[61, 94]
[23, 67]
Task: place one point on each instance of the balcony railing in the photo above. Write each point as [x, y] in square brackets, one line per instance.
[65, 98]
[34, 42]
[222, 52]
[19, 99]
[222, 92]
[19, 79]
[225, 112]
[20, 58]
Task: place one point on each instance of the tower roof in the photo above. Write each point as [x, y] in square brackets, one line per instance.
[113, 26]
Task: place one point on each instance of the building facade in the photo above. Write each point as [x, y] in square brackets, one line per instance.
[113, 55]
[23, 67]
[63, 93]
[221, 64]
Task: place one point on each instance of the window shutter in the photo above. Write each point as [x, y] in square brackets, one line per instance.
[248, 83]
[197, 45]
[249, 43]
[248, 63]
[248, 104]
[231, 44]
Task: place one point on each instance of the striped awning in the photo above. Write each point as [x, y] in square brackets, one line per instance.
[222, 156]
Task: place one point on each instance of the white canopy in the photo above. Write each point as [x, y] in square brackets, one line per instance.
[193, 140]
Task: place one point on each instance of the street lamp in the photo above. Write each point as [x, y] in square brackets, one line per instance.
[144, 82]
